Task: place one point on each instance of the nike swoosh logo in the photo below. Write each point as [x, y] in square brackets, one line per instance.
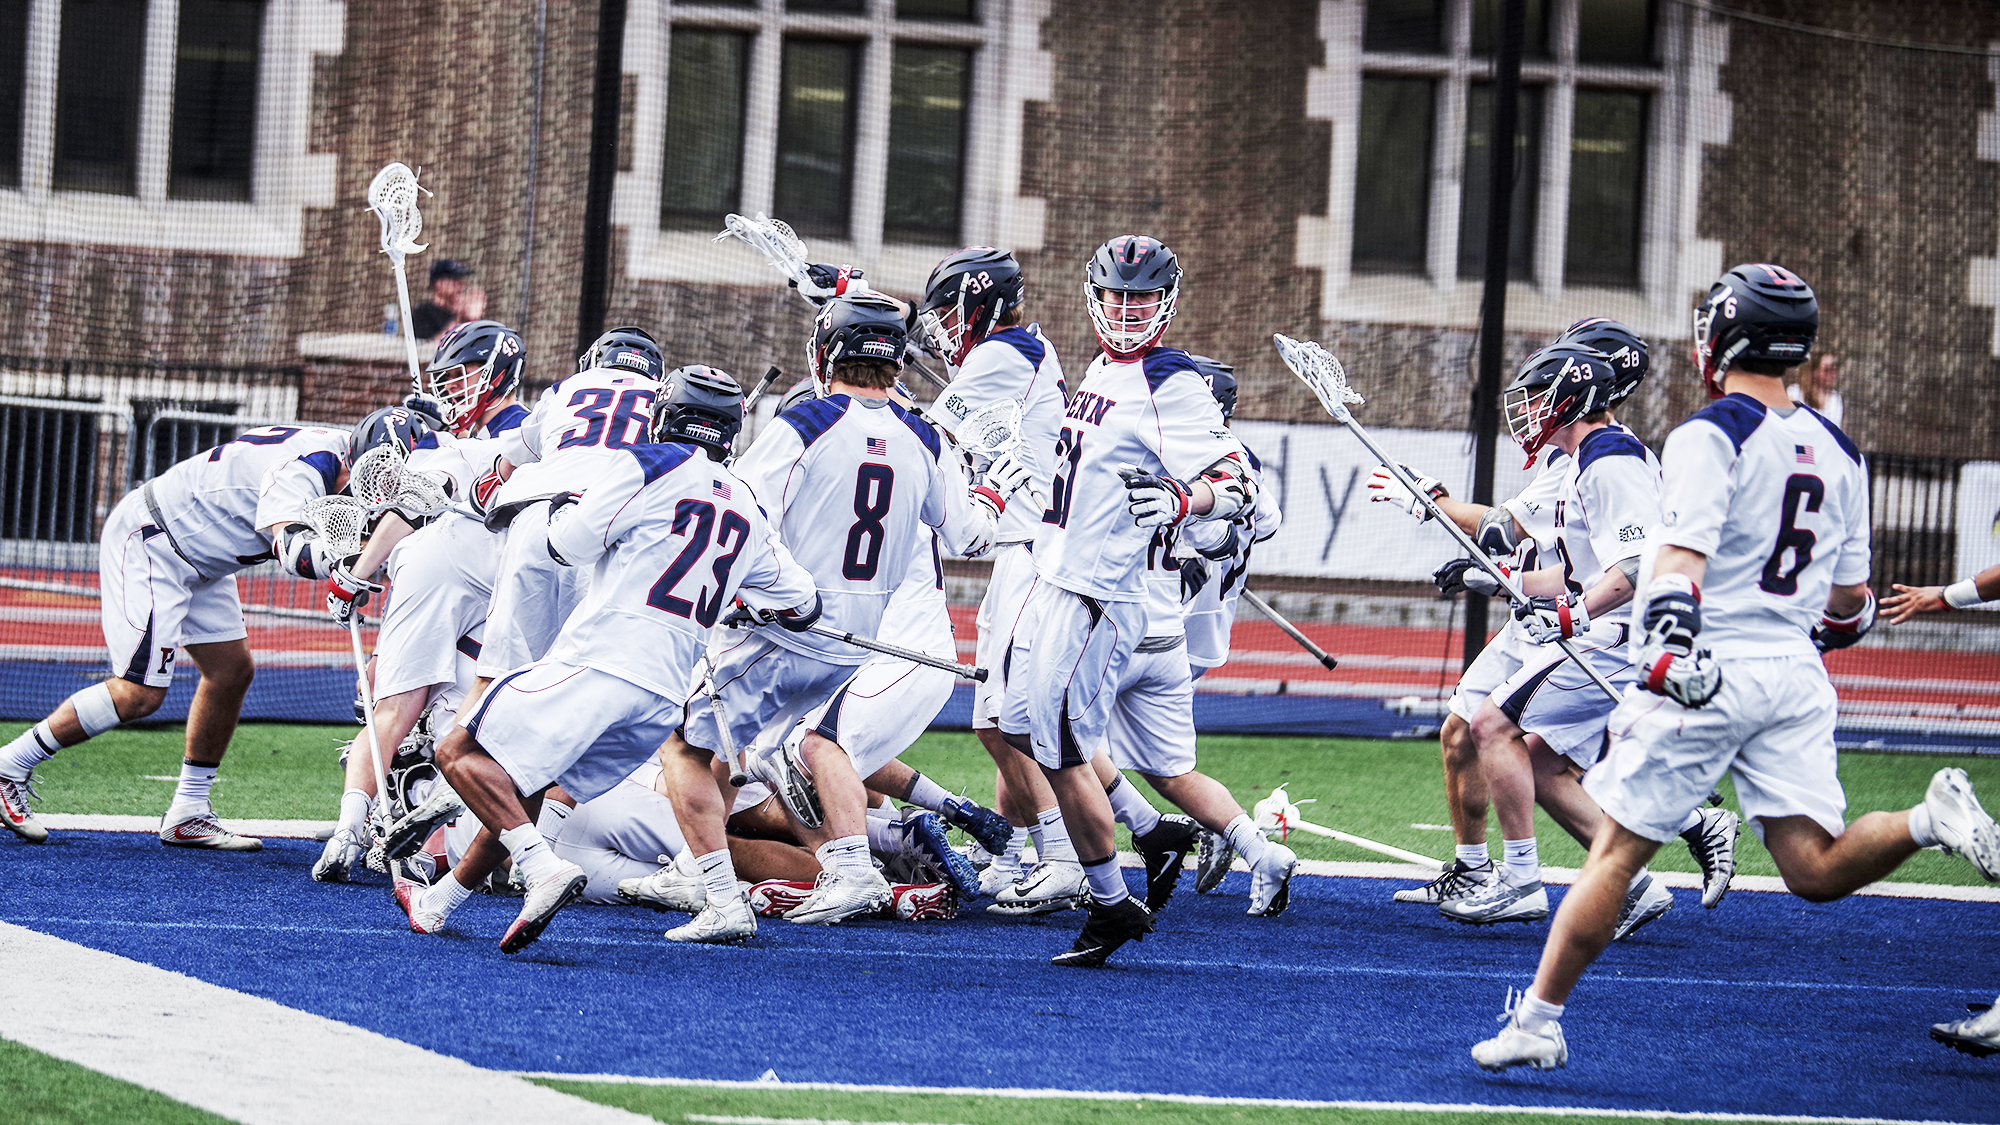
[1173, 860]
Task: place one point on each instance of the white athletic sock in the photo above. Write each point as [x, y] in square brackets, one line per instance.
[718, 875]
[883, 811]
[192, 792]
[1523, 864]
[688, 864]
[533, 857]
[1015, 843]
[444, 896]
[1692, 822]
[35, 745]
[1920, 827]
[1053, 844]
[549, 822]
[1532, 1013]
[1107, 885]
[885, 836]
[1474, 855]
[1131, 808]
[847, 855]
[354, 811]
[927, 794]
[1244, 837]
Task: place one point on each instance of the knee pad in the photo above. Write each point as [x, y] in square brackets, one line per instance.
[95, 710]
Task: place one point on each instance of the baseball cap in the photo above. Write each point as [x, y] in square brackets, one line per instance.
[449, 268]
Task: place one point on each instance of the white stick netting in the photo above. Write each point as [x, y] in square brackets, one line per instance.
[992, 429]
[1322, 372]
[337, 520]
[392, 195]
[377, 477]
[772, 238]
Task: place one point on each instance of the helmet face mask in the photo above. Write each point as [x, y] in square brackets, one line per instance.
[1558, 385]
[1131, 288]
[475, 367]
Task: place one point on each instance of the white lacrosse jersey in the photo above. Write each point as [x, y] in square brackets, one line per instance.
[1778, 502]
[1018, 364]
[672, 536]
[853, 485]
[1212, 611]
[577, 430]
[1534, 507]
[216, 505]
[1156, 413]
[918, 616]
[1610, 495]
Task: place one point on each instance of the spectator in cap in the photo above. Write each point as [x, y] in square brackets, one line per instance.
[452, 302]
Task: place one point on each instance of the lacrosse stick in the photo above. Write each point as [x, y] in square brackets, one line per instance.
[381, 481]
[772, 238]
[1279, 813]
[764, 384]
[739, 766]
[995, 429]
[1290, 630]
[1328, 380]
[339, 521]
[912, 655]
[393, 197]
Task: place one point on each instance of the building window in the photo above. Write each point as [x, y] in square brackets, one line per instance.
[1391, 174]
[927, 100]
[142, 116]
[816, 103]
[705, 91]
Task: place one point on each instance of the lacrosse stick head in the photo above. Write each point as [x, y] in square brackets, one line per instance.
[337, 520]
[421, 494]
[991, 430]
[377, 477]
[772, 238]
[392, 195]
[1322, 372]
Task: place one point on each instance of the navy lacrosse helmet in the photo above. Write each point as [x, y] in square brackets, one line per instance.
[625, 348]
[966, 297]
[1630, 357]
[1130, 287]
[1221, 382]
[1756, 312]
[704, 406]
[475, 366]
[399, 426]
[868, 329]
[1558, 384]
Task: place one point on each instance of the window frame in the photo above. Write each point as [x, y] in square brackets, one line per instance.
[1684, 112]
[284, 177]
[1008, 69]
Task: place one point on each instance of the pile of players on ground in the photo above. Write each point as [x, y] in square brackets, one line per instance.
[630, 662]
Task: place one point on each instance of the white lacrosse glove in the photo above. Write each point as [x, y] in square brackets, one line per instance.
[1154, 500]
[1669, 664]
[1466, 576]
[824, 283]
[1006, 474]
[1547, 620]
[346, 593]
[1233, 495]
[301, 551]
[1384, 487]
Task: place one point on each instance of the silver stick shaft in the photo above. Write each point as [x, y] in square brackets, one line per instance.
[968, 671]
[1290, 630]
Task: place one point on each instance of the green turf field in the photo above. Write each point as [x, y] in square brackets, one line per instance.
[38, 1089]
[1376, 789]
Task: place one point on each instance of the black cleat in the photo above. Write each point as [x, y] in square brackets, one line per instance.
[1107, 928]
[1165, 850]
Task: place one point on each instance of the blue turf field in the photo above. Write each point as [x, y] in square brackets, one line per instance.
[1768, 1005]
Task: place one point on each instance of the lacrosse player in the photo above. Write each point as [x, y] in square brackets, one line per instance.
[620, 667]
[1142, 447]
[1761, 557]
[850, 479]
[167, 562]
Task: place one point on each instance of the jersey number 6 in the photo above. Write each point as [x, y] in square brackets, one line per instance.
[1802, 490]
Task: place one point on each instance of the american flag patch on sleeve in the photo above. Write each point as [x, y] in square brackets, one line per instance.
[1805, 454]
[877, 447]
[721, 489]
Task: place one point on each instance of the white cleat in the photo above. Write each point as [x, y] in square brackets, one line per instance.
[14, 810]
[1961, 825]
[718, 924]
[1644, 901]
[664, 890]
[1056, 885]
[1713, 845]
[1460, 880]
[336, 860]
[410, 896]
[1500, 902]
[1004, 871]
[1542, 1048]
[838, 896]
[200, 829]
[1271, 882]
[1979, 1035]
[541, 902]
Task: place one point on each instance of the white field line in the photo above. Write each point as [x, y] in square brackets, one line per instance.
[1342, 869]
[721, 1119]
[246, 1058]
[1199, 1099]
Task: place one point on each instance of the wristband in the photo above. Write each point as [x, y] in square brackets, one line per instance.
[1960, 595]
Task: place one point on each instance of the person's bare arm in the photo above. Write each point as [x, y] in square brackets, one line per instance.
[1909, 601]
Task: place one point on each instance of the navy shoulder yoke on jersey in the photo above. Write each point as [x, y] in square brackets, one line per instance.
[510, 417]
[1847, 445]
[1022, 340]
[328, 465]
[814, 417]
[1611, 441]
[925, 432]
[1737, 415]
[1161, 363]
[657, 460]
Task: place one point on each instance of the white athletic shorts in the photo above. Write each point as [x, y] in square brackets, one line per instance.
[1550, 697]
[881, 711]
[1771, 727]
[764, 685]
[1500, 659]
[1152, 723]
[440, 582]
[627, 833]
[999, 614]
[153, 602]
[553, 722]
[1067, 683]
[533, 595]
